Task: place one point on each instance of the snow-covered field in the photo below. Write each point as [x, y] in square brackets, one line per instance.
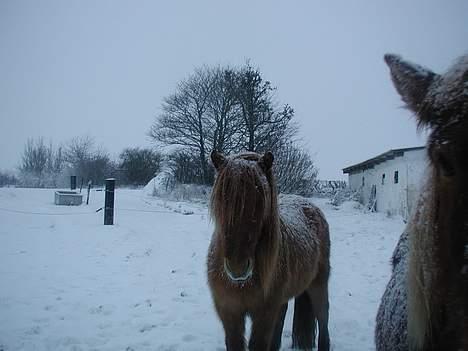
[67, 282]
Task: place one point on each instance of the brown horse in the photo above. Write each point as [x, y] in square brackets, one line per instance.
[425, 305]
[264, 252]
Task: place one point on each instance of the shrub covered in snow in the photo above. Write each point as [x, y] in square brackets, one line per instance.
[161, 185]
[328, 188]
[345, 194]
[165, 186]
[191, 192]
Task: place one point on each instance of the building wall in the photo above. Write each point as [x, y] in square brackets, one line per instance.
[393, 198]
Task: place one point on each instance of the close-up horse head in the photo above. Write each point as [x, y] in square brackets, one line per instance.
[440, 103]
[240, 204]
[435, 275]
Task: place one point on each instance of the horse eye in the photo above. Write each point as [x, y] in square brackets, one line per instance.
[447, 168]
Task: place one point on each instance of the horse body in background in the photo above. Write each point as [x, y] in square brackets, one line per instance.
[265, 251]
[425, 305]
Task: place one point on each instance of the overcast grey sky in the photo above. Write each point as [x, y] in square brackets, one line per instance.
[101, 68]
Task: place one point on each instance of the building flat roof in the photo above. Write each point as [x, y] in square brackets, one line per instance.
[389, 155]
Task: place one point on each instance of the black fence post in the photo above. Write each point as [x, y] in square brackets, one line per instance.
[109, 202]
[89, 190]
[72, 182]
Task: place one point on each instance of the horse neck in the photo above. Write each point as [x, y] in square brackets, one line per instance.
[421, 266]
[429, 274]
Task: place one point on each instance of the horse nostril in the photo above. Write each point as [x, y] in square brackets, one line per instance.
[227, 267]
[249, 265]
[238, 271]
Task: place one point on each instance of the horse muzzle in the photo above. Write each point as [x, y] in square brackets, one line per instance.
[239, 272]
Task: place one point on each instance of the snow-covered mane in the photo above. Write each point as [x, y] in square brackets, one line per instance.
[244, 183]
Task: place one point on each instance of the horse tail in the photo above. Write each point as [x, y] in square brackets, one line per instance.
[304, 323]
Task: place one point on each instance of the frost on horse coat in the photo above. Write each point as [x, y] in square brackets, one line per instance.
[425, 304]
[265, 251]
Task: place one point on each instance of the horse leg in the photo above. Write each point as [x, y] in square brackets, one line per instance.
[276, 340]
[319, 298]
[263, 326]
[234, 328]
[303, 334]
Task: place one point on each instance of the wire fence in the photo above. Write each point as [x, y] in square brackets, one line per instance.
[142, 197]
[46, 213]
[181, 212]
[178, 212]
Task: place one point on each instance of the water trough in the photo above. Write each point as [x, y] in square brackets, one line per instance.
[68, 198]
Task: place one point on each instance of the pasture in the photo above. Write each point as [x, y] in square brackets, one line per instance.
[67, 282]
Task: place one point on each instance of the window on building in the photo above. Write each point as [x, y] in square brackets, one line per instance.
[363, 181]
[383, 179]
[395, 177]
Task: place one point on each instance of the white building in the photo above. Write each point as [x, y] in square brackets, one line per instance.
[390, 182]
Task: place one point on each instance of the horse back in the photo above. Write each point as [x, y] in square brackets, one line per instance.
[305, 243]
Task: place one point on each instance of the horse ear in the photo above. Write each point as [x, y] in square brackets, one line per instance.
[266, 162]
[411, 81]
[218, 159]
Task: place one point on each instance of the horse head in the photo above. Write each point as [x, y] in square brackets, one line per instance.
[241, 205]
[440, 103]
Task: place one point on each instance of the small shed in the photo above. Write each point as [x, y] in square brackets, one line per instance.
[390, 182]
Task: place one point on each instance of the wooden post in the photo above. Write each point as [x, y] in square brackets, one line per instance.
[72, 182]
[89, 190]
[109, 202]
[81, 186]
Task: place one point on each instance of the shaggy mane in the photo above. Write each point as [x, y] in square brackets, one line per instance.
[241, 180]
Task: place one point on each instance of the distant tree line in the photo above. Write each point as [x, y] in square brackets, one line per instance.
[230, 110]
[7, 179]
[45, 165]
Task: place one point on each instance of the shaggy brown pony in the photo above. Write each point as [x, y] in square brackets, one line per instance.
[264, 253]
[425, 305]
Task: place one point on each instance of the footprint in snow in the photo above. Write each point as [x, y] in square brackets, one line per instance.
[147, 327]
[105, 310]
[172, 347]
[147, 303]
[189, 338]
[36, 330]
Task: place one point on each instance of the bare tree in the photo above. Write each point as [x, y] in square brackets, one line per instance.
[183, 166]
[184, 120]
[139, 165]
[35, 157]
[88, 161]
[7, 178]
[294, 169]
[79, 149]
[229, 110]
[224, 112]
[41, 164]
[264, 124]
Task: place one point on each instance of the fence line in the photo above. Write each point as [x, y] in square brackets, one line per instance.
[98, 210]
[162, 211]
[45, 213]
[187, 213]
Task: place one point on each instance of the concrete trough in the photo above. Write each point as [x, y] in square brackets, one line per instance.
[68, 198]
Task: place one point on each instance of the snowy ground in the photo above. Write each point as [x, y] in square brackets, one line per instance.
[67, 282]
